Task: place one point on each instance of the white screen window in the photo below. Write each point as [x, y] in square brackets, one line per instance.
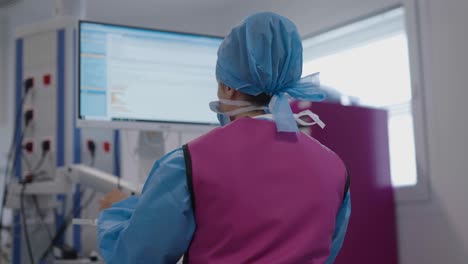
[368, 62]
[132, 74]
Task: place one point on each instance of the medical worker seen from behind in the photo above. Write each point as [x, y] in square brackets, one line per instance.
[255, 190]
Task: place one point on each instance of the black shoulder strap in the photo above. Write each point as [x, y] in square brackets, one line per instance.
[188, 169]
[348, 183]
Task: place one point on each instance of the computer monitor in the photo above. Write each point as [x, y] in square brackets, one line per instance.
[145, 79]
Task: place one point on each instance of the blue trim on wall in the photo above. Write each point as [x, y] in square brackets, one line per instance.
[60, 144]
[60, 98]
[18, 99]
[18, 124]
[117, 153]
[76, 155]
[76, 131]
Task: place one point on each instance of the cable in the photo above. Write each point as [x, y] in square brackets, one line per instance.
[27, 163]
[23, 214]
[93, 161]
[42, 217]
[65, 225]
[117, 154]
[14, 160]
[91, 145]
[118, 172]
[25, 226]
[15, 131]
[13, 146]
[39, 163]
[22, 209]
[7, 181]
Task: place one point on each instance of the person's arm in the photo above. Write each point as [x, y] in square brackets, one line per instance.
[341, 226]
[156, 227]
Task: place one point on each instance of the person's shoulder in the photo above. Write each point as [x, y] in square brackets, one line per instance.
[173, 156]
[237, 127]
[215, 132]
[324, 149]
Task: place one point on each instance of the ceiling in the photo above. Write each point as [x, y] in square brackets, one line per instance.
[4, 3]
[213, 17]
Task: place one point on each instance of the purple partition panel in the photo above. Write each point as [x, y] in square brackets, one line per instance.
[359, 136]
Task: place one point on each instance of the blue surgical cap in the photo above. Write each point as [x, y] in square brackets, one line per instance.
[264, 55]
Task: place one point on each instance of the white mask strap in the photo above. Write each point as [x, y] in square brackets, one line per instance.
[244, 110]
[298, 116]
[214, 106]
[235, 102]
[310, 114]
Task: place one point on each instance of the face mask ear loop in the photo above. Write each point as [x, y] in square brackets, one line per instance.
[235, 102]
[244, 110]
[310, 114]
[214, 106]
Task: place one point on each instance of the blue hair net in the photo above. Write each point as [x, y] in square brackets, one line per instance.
[264, 55]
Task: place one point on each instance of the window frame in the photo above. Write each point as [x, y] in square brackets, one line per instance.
[412, 23]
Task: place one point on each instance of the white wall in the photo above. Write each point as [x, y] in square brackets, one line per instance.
[3, 97]
[430, 232]
[3, 37]
[3, 90]
[447, 67]
[23, 13]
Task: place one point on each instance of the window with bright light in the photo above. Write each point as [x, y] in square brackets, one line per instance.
[368, 62]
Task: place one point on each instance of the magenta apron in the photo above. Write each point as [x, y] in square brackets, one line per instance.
[262, 197]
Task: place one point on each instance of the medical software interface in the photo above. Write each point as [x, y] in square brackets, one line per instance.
[130, 74]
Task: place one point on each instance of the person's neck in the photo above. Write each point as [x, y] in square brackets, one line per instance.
[249, 114]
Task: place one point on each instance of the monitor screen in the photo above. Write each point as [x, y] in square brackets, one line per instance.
[129, 76]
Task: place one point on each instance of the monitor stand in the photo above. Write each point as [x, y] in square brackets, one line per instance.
[150, 148]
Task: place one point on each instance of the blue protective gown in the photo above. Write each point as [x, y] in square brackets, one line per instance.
[157, 227]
